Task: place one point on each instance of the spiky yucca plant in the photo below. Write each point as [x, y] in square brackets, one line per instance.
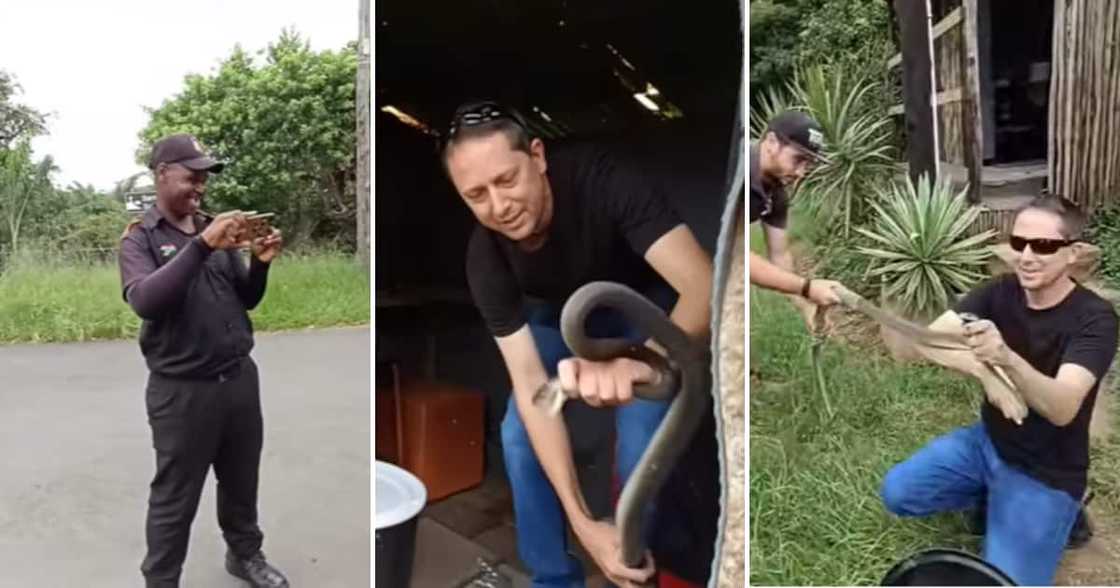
[923, 251]
[857, 140]
[771, 103]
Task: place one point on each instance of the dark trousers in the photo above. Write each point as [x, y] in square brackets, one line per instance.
[195, 424]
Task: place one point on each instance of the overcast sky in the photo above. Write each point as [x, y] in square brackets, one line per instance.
[94, 65]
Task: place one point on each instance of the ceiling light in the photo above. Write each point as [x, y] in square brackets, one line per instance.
[647, 102]
[407, 119]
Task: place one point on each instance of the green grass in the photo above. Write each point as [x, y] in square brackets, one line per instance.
[816, 517]
[46, 301]
[815, 514]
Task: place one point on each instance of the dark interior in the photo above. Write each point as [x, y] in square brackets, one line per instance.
[1018, 75]
[572, 67]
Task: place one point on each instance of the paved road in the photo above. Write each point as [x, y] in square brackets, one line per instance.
[76, 460]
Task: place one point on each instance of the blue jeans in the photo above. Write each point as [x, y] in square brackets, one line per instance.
[538, 515]
[1028, 522]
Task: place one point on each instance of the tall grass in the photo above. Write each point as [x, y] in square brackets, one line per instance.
[51, 299]
[815, 513]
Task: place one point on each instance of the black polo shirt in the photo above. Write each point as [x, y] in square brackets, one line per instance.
[193, 300]
[768, 204]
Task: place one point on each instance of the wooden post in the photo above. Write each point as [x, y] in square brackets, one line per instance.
[362, 134]
[972, 131]
[917, 87]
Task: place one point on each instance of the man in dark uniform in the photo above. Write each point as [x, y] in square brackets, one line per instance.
[548, 225]
[791, 144]
[184, 276]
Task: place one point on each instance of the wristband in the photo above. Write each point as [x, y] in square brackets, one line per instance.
[805, 287]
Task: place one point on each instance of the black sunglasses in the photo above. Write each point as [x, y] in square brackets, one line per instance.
[480, 113]
[1040, 246]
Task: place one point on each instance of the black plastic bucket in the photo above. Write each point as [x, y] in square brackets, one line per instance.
[945, 567]
[399, 498]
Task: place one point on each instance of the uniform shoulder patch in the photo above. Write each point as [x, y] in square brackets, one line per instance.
[131, 226]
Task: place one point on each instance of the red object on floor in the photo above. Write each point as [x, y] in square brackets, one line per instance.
[668, 580]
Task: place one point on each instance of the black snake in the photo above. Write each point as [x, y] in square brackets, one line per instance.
[684, 378]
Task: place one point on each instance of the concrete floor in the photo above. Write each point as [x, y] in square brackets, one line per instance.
[77, 462]
[455, 532]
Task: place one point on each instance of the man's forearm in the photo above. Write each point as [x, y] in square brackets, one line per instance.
[769, 275]
[693, 312]
[548, 436]
[1047, 396]
[783, 260]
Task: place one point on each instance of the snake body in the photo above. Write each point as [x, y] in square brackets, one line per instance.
[688, 362]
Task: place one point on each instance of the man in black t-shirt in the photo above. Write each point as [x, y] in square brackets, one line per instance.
[1056, 340]
[548, 225]
[789, 147]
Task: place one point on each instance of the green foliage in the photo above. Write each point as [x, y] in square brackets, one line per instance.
[787, 35]
[922, 250]
[18, 122]
[78, 223]
[775, 25]
[23, 183]
[857, 144]
[286, 128]
[1104, 232]
[770, 103]
[851, 34]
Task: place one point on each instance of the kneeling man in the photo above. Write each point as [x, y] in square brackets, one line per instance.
[1055, 339]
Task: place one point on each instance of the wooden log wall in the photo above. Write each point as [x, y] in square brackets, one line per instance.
[1084, 149]
[950, 118]
[1000, 220]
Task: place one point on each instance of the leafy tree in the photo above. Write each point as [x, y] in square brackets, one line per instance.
[17, 121]
[775, 29]
[78, 221]
[789, 35]
[847, 33]
[22, 181]
[286, 128]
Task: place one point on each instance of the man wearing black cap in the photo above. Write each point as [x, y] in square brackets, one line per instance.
[791, 144]
[181, 273]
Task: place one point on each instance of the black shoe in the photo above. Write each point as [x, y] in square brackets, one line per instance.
[1081, 532]
[977, 521]
[256, 571]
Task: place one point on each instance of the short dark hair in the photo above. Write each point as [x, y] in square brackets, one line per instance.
[483, 118]
[1072, 217]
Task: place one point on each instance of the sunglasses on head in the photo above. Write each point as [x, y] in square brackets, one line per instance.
[1039, 246]
[478, 114]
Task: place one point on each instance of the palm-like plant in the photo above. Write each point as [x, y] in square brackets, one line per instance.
[857, 144]
[770, 103]
[21, 180]
[923, 252]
